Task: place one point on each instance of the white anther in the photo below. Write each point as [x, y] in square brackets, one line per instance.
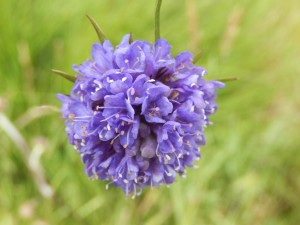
[168, 157]
[132, 91]
[124, 79]
[109, 80]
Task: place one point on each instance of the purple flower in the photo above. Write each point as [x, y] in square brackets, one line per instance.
[136, 115]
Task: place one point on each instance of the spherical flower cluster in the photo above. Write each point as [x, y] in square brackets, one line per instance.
[136, 115]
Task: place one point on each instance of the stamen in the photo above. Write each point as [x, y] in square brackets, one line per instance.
[156, 150]
[168, 157]
[132, 91]
[112, 141]
[180, 139]
[111, 107]
[140, 191]
[168, 174]
[107, 185]
[178, 161]
[109, 80]
[110, 117]
[134, 192]
[71, 117]
[125, 181]
[98, 83]
[100, 134]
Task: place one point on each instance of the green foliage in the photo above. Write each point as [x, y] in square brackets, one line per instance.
[250, 165]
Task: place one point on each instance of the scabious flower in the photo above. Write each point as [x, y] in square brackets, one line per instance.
[136, 115]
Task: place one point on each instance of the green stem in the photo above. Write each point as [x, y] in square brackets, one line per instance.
[64, 75]
[227, 79]
[130, 38]
[197, 57]
[157, 15]
[98, 30]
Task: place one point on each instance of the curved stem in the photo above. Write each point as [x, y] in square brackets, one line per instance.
[64, 75]
[157, 16]
[98, 30]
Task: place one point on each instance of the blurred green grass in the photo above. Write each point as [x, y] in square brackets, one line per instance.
[249, 173]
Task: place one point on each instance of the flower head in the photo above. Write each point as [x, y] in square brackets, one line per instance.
[136, 115]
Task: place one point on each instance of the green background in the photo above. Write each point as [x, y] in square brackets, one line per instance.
[249, 173]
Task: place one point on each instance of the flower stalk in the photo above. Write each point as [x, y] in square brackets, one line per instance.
[64, 75]
[227, 79]
[157, 19]
[97, 28]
